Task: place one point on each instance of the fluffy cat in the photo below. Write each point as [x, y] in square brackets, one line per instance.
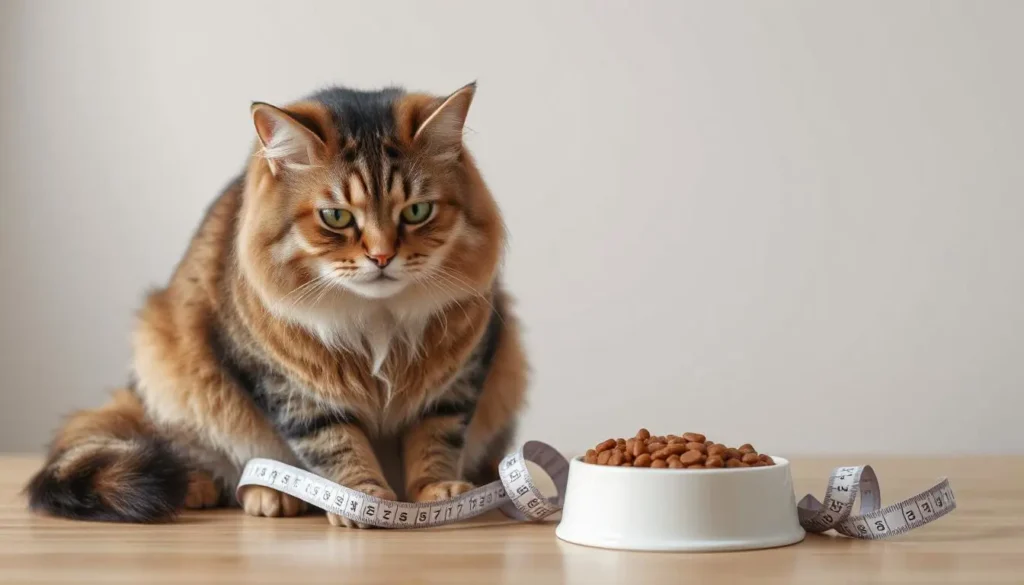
[343, 288]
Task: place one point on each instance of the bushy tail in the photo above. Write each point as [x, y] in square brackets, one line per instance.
[109, 465]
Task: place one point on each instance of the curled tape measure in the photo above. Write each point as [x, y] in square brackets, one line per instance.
[516, 495]
[873, 522]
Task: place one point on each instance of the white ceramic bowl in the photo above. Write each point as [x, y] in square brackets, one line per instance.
[680, 509]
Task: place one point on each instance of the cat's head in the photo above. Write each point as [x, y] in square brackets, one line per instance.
[367, 194]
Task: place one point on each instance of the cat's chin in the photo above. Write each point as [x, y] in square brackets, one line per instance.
[376, 289]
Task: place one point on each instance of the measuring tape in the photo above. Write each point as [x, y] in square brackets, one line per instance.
[515, 493]
[517, 496]
[873, 522]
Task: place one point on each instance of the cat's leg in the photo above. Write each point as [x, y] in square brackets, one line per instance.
[330, 443]
[466, 434]
[432, 451]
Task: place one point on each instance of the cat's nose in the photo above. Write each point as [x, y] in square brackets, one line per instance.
[381, 260]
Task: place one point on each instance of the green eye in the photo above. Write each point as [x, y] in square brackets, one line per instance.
[337, 218]
[417, 212]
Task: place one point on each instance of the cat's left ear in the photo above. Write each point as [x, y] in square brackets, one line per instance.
[286, 141]
[441, 130]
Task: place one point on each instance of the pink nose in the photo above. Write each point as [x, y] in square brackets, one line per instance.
[381, 260]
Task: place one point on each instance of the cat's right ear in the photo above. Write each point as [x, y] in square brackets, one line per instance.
[287, 143]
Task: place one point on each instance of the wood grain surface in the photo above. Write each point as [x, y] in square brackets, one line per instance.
[980, 542]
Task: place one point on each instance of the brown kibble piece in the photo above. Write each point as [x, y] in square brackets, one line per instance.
[673, 449]
[643, 434]
[629, 445]
[675, 464]
[731, 453]
[672, 458]
[750, 458]
[696, 466]
[742, 464]
[655, 446]
[699, 438]
[602, 457]
[673, 440]
[716, 450]
[615, 459]
[609, 444]
[639, 448]
[690, 457]
[759, 464]
[695, 446]
[643, 460]
[747, 448]
[766, 459]
[714, 461]
[659, 463]
[591, 456]
[626, 464]
[733, 463]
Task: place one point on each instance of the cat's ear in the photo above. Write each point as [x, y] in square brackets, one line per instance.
[286, 141]
[443, 121]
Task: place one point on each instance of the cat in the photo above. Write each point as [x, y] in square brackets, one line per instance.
[344, 287]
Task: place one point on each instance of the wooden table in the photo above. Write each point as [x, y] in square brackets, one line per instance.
[980, 542]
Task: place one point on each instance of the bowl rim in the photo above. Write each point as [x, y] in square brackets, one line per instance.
[780, 462]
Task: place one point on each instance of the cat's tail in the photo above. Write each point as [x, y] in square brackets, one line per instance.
[109, 464]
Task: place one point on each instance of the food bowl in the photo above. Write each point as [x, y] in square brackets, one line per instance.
[648, 509]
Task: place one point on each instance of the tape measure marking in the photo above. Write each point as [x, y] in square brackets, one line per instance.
[517, 496]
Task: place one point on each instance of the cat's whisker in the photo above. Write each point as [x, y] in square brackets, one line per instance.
[442, 315]
[446, 287]
[445, 273]
[318, 284]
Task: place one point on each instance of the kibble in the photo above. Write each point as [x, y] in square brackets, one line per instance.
[685, 451]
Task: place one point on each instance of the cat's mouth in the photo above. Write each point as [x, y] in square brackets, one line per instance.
[383, 277]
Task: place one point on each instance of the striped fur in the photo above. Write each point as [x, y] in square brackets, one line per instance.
[281, 335]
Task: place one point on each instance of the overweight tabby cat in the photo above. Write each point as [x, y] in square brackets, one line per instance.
[343, 288]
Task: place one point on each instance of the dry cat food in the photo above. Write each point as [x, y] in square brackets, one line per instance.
[689, 450]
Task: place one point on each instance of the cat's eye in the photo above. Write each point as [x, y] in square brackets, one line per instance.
[337, 218]
[417, 212]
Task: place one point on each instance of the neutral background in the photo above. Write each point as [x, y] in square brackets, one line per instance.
[799, 224]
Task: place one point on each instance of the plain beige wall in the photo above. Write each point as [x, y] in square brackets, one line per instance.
[799, 224]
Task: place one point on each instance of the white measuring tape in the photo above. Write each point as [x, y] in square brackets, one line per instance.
[516, 495]
[873, 522]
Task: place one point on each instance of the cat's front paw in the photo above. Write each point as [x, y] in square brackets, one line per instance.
[368, 489]
[442, 490]
[263, 501]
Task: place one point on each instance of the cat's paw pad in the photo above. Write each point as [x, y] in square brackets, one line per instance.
[202, 491]
[263, 501]
[368, 489]
[442, 490]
